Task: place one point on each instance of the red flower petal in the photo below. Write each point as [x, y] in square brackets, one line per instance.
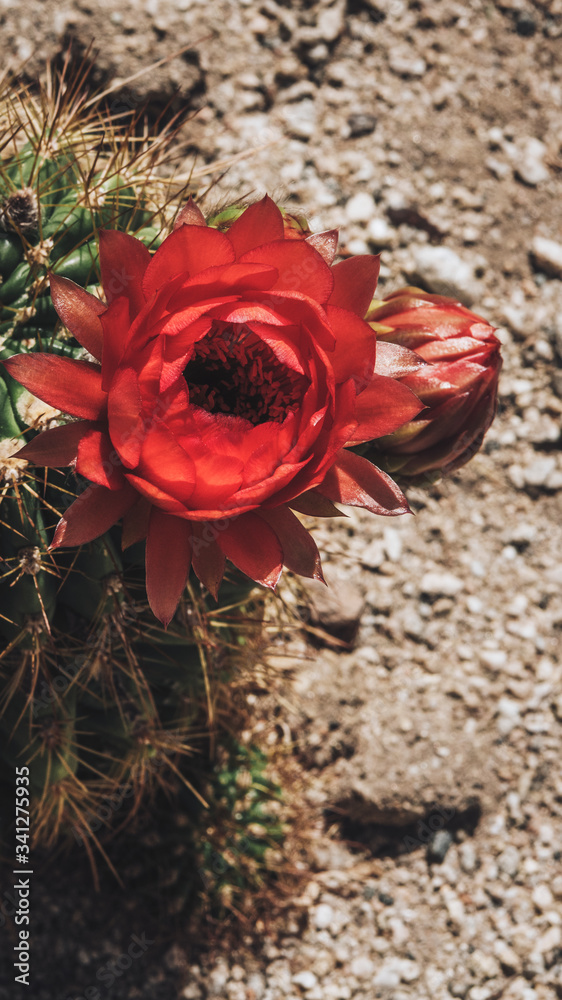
[155, 496]
[165, 463]
[463, 348]
[215, 283]
[259, 223]
[313, 504]
[71, 386]
[396, 361]
[57, 446]
[92, 514]
[355, 280]
[254, 548]
[168, 558]
[135, 523]
[439, 382]
[383, 407]
[116, 328]
[353, 480]
[79, 312]
[123, 262]
[356, 347]
[219, 476]
[300, 553]
[98, 461]
[190, 215]
[325, 243]
[300, 267]
[188, 250]
[126, 425]
[208, 557]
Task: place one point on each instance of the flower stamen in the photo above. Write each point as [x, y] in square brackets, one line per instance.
[232, 371]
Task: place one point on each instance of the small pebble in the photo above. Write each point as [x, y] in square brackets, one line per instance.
[360, 208]
[438, 846]
[387, 977]
[542, 897]
[323, 916]
[362, 967]
[361, 124]
[437, 584]
[442, 271]
[509, 861]
[547, 256]
[307, 980]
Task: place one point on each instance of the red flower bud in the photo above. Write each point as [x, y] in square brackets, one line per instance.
[458, 384]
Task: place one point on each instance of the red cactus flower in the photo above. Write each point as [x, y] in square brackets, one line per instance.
[231, 370]
[458, 384]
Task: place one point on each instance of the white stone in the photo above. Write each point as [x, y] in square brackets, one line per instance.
[256, 985]
[362, 967]
[529, 163]
[305, 979]
[507, 956]
[399, 931]
[392, 542]
[549, 941]
[194, 992]
[455, 909]
[360, 208]
[407, 66]
[474, 605]
[440, 584]
[380, 233]
[497, 167]
[468, 857]
[387, 977]
[508, 707]
[509, 861]
[323, 916]
[330, 23]
[542, 897]
[300, 118]
[373, 556]
[409, 971]
[357, 246]
[480, 993]
[537, 472]
[442, 271]
[548, 255]
[493, 658]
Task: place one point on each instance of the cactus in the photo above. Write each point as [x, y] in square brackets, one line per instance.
[225, 854]
[243, 845]
[95, 697]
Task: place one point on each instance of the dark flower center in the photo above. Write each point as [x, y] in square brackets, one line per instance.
[233, 371]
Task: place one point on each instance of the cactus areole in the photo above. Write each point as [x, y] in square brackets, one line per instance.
[232, 370]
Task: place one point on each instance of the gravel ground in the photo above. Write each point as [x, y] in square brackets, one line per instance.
[430, 744]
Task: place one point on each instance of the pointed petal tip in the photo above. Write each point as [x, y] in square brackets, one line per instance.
[325, 243]
[189, 215]
[271, 581]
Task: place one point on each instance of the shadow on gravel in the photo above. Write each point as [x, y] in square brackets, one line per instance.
[434, 832]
